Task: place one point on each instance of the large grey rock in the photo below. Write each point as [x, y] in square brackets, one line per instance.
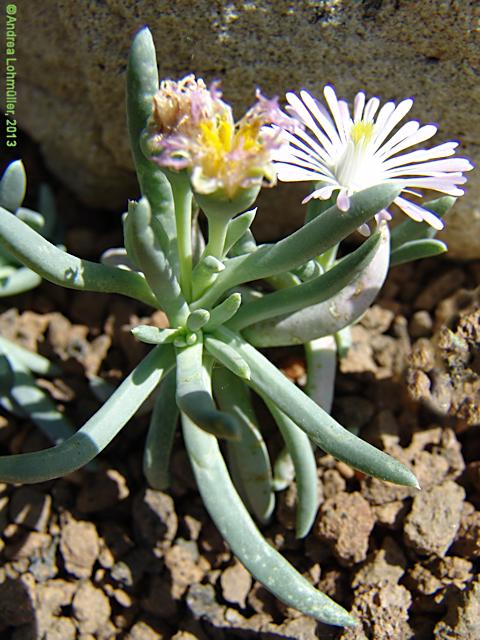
[72, 60]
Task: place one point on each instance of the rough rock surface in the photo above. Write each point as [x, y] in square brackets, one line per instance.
[433, 522]
[72, 61]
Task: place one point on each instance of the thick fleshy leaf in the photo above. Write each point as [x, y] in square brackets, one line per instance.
[248, 457]
[142, 84]
[66, 270]
[314, 291]
[332, 315]
[161, 433]
[194, 396]
[13, 186]
[417, 249]
[96, 433]
[321, 428]
[314, 238]
[301, 453]
[245, 540]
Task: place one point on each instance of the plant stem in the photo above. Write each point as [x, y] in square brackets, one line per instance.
[182, 197]
[217, 233]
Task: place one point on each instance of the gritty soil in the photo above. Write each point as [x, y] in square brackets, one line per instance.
[99, 555]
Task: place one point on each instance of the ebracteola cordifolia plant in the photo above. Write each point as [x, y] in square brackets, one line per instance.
[190, 155]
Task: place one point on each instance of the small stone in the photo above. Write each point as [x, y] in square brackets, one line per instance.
[385, 566]
[421, 324]
[433, 522]
[184, 635]
[91, 608]
[143, 631]
[54, 595]
[236, 582]
[79, 545]
[122, 598]
[60, 629]
[182, 562]
[301, 628]
[462, 621]
[346, 521]
[383, 612]
[332, 483]
[193, 525]
[467, 543]
[202, 603]
[391, 514]
[30, 508]
[30, 547]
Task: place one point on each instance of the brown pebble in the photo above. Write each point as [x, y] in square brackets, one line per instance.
[462, 619]
[345, 521]
[79, 545]
[90, 607]
[236, 582]
[467, 543]
[421, 324]
[433, 522]
[182, 562]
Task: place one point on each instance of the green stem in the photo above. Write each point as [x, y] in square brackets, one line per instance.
[217, 233]
[182, 197]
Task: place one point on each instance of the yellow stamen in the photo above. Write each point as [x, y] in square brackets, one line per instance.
[361, 132]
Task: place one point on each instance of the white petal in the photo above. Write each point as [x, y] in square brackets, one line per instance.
[418, 213]
[345, 115]
[301, 112]
[440, 151]
[309, 145]
[343, 201]
[358, 105]
[396, 116]
[371, 109]
[320, 194]
[424, 133]
[435, 167]
[295, 160]
[322, 117]
[383, 116]
[332, 101]
[292, 173]
[437, 184]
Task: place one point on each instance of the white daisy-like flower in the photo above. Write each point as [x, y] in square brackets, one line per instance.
[346, 154]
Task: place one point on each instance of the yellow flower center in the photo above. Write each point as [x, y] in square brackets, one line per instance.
[361, 132]
[220, 136]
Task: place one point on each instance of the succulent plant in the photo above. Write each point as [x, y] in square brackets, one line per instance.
[203, 369]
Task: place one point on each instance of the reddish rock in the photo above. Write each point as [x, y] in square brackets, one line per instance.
[433, 522]
[345, 521]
